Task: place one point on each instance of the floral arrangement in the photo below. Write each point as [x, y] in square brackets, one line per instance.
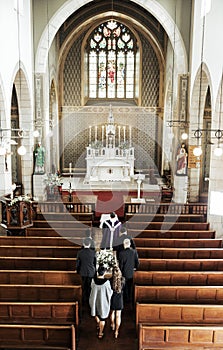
[106, 258]
[24, 198]
[52, 180]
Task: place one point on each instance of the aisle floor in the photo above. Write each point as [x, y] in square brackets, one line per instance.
[88, 340]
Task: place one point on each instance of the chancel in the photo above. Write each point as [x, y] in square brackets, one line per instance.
[110, 156]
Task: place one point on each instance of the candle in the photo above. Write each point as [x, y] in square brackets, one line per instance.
[89, 134]
[119, 135]
[102, 134]
[124, 133]
[70, 167]
[130, 135]
[96, 130]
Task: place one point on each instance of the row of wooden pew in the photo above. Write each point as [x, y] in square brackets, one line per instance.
[178, 289]
[40, 291]
[40, 287]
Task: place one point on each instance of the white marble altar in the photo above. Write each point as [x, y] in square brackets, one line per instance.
[112, 157]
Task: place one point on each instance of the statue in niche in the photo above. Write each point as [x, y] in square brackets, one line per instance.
[39, 159]
[181, 159]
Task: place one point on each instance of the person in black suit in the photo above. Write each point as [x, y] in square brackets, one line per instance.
[128, 263]
[86, 266]
[123, 234]
[89, 234]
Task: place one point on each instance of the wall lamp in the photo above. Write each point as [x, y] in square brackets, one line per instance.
[7, 140]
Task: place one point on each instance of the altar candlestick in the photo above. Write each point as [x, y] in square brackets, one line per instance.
[89, 134]
[102, 134]
[70, 167]
[96, 130]
[119, 135]
[130, 136]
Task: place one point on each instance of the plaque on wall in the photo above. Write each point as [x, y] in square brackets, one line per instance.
[193, 161]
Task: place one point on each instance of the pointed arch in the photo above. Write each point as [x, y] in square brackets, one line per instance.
[72, 5]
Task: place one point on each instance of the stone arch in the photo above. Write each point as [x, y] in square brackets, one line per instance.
[201, 82]
[72, 5]
[2, 104]
[20, 80]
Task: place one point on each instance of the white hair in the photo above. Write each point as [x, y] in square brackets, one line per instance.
[126, 243]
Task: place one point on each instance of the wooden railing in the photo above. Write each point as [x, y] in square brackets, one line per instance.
[81, 205]
[166, 208]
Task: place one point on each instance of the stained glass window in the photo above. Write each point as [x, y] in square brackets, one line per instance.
[111, 49]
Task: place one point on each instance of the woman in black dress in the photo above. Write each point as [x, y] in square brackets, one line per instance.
[117, 299]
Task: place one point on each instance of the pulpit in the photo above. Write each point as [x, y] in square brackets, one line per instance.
[16, 214]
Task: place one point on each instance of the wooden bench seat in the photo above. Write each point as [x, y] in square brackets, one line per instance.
[166, 226]
[165, 217]
[37, 337]
[37, 263]
[180, 253]
[180, 264]
[180, 337]
[55, 231]
[34, 292]
[178, 313]
[82, 217]
[62, 223]
[179, 294]
[41, 241]
[178, 243]
[185, 234]
[39, 277]
[39, 251]
[173, 278]
[39, 313]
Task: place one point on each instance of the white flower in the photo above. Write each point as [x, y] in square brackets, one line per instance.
[106, 258]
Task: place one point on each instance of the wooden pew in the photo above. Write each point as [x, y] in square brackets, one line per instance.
[40, 313]
[44, 293]
[37, 263]
[73, 224]
[178, 313]
[178, 243]
[185, 234]
[39, 277]
[179, 337]
[179, 253]
[55, 231]
[165, 217]
[179, 294]
[37, 337]
[178, 278]
[39, 251]
[78, 217]
[41, 241]
[180, 264]
[166, 226]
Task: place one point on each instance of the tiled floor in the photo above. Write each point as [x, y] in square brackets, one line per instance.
[88, 340]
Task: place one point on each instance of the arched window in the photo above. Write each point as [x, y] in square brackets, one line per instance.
[111, 50]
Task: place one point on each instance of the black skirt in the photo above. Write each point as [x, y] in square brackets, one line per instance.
[117, 301]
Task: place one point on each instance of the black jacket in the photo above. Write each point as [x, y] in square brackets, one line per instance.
[128, 262]
[86, 262]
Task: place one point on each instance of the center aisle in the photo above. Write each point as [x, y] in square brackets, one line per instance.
[87, 333]
[126, 340]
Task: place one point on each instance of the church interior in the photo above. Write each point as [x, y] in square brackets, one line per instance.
[111, 106]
